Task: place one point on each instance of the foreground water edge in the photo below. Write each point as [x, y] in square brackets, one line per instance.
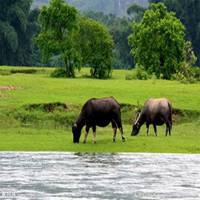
[58, 175]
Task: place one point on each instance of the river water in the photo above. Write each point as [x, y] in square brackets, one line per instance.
[99, 176]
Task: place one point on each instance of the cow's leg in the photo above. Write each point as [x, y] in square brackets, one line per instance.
[147, 125]
[94, 134]
[170, 128]
[119, 125]
[114, 126]
[122, 134]
[117, 119]
[155, 129]
[167, 129]
[87, 128]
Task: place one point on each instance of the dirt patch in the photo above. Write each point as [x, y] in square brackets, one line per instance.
[3, 95]
[47, 107]
[9, 87]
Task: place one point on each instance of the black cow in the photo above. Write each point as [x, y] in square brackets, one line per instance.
[156, 112]
[98, 112]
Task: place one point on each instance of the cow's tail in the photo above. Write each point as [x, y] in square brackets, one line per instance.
[170, 112]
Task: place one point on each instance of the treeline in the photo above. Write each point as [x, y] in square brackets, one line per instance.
[18, 24]
[116, 7]
[60, 35]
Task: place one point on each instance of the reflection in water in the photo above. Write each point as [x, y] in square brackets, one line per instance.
[101, 159]
[99, 176]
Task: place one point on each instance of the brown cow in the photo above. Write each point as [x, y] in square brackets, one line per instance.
[98, 112]
[156, 112]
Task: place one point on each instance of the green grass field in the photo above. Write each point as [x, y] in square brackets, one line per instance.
[23, 129]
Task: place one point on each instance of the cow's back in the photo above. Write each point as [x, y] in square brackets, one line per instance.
[100, 107]
[157, 107]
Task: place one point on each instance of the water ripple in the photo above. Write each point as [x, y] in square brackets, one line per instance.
[99, 176]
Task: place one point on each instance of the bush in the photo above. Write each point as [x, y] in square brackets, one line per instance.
[103, 71]
[196, 73]
[23, 71]
[187, 74]
[138, 74]
[58, 73]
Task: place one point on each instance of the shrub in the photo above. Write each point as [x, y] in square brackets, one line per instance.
[23, 71]
[58, 73]
[138, 74]
[186, 74]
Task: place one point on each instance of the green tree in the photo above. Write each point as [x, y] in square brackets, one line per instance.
[120, 29]
[188, 12]
[96, 45]
[158, 41]
[15, 34]
[59, 23]
[189, 55]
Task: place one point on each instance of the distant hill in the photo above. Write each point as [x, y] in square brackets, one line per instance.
[117, 7]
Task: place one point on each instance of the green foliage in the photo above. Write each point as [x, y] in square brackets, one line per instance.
[59, 22]
[188, 12]
[187, 73]
[21, 70]
[189, 54]
[158, 41]
[138, 74]
[16, 31]
[96, 46]
[120, 29]
[58, 73]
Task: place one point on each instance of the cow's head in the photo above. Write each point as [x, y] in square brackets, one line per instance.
[136, 126]
[135, 129]
[76, 133]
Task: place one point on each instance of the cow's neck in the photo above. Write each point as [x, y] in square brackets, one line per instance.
[80, 122]
[141, 120]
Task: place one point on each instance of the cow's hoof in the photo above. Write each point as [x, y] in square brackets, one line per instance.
[84, 142]
[114, 140]
[94, 142]
[123, 139]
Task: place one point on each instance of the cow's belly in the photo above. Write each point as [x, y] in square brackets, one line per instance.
[159, 121]
[102, 122]
[156, 120]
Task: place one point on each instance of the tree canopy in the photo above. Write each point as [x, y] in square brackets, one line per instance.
[188, 13]
[59, 22]
[16, 31]
[120, 29]
[96, 46]
[158, 41]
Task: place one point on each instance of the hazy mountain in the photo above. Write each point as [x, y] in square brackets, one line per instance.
[117, 7]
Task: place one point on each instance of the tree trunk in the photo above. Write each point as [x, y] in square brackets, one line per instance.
[67, 67]
[71, 69]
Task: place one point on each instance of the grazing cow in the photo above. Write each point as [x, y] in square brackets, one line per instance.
[156, 112]
[98, 112]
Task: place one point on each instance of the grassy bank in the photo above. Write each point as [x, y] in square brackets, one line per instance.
[36, 112]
